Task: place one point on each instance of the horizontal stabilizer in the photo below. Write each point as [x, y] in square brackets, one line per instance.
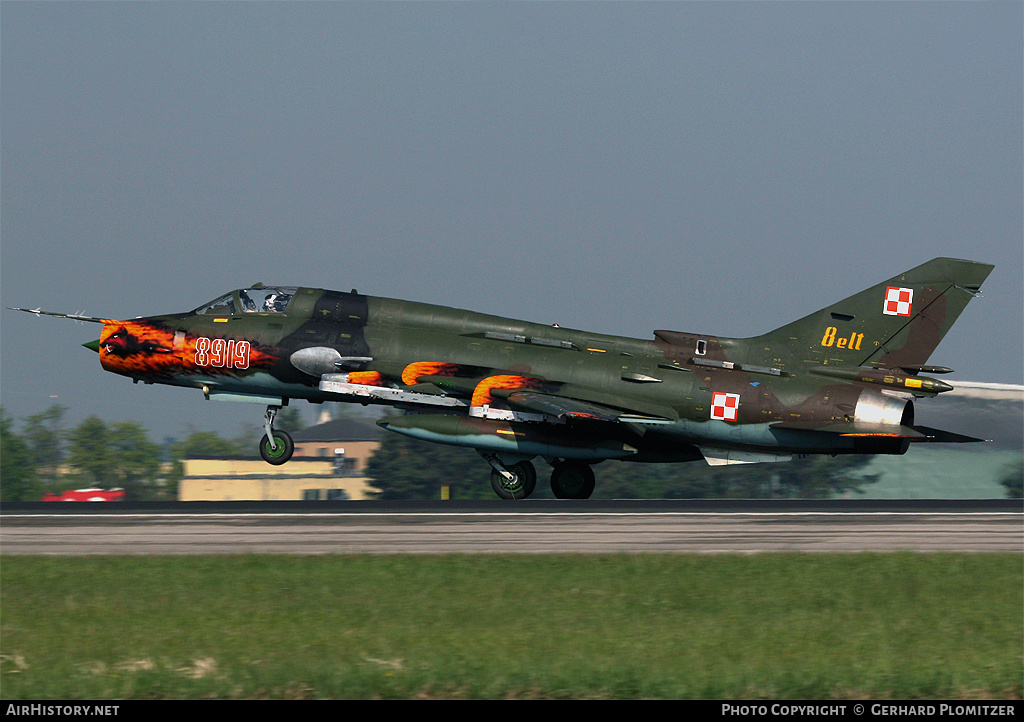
[945, 437]
[865, 430]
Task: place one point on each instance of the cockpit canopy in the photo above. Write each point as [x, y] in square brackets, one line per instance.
[257, 299]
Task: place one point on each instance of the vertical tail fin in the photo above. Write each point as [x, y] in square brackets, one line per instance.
[898, 322]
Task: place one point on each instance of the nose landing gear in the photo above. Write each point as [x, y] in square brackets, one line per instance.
[511, 481]
[276, 447]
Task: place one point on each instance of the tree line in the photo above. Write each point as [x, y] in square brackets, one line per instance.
[46, 455]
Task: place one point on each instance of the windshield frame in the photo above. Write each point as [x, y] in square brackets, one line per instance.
[258, 299]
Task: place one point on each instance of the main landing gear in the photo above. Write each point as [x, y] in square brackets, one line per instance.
[276, 447]
[569, 479]
[572, 480]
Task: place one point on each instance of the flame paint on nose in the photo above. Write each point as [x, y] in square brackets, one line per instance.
[152, 349]
[139, 349]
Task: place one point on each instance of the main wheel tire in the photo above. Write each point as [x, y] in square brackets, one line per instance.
[572, 480]
[285, 447]
[520, 487]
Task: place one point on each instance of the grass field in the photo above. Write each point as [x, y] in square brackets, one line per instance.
[902, 626]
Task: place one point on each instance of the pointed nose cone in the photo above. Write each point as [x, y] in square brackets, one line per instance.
[94, 345]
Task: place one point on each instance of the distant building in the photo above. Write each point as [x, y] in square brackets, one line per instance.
[350, 443]
[329, 463]
[249, 479]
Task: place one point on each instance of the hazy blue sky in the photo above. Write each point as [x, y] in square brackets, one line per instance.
[616, 166]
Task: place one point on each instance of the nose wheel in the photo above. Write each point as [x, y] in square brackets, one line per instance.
[276, 447]
[511, 481]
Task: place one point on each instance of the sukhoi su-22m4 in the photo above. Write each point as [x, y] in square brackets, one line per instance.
[840, 381]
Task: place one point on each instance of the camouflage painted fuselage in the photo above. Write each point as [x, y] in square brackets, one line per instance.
[840, 380]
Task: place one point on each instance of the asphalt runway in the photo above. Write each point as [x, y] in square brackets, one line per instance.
[744, 527]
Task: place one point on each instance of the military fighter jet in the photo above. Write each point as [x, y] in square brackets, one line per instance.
[839, 381]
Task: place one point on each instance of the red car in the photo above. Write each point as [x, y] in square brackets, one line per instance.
[86, 495]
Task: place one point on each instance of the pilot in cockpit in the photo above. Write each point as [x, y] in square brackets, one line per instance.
[275, 302]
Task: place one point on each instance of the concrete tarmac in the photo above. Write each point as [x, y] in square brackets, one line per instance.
[536, 528]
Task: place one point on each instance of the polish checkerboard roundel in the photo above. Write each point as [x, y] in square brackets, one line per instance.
[898, 301]
[724, 407]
